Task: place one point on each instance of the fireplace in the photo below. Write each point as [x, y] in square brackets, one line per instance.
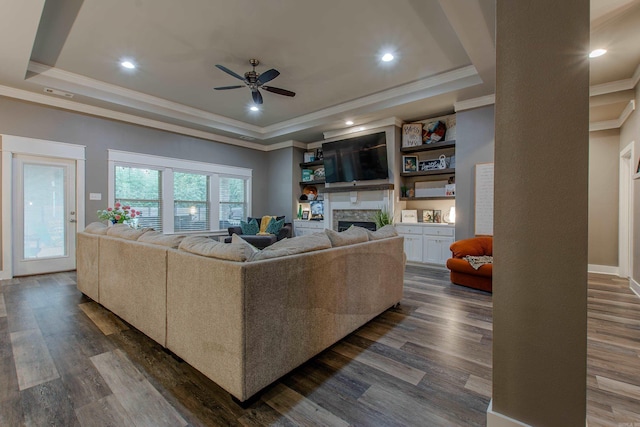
[352, 216]
[343, 225]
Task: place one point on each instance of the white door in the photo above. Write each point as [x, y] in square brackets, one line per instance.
[44, 215]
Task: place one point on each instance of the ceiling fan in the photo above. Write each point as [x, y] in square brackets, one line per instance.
[255, 81]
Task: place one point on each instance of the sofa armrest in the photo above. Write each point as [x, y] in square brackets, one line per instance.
[286, 231]
[236, 229]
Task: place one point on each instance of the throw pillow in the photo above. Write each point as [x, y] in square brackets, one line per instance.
[248, 247]
[96, 228]
[295, 245]
[250, 228]
[201, 245]
[264, 223]
[383, 233]
[347, 237]
[275, 226]
[157, 238]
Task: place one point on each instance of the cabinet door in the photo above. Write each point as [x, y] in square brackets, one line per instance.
[436, 249]
[413, 247]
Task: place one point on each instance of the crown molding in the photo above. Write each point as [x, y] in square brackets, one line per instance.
[469, 104]
[66, 104]
[390, 121]
[285, 144]
[616, 86]
[615, 123]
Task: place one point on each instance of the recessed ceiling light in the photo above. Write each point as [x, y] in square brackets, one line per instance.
[128, 64]
[348, 123]
[387, 57]
[254, 108]
[597, 52]
[361, 128]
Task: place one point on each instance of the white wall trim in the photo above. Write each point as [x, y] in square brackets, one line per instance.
[390, 121]
[495, 419]
[635, 287]
[625, 206]
[615, 123]
[11, 145]
[603, 269]
[469, 104]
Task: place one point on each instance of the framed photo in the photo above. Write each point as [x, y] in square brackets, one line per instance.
[412, 135]
[319, 155]
[317, 209]
[437, 216]
[409, 215]
[409, 163]
[305, 214]
[427, 215]
[309, 156]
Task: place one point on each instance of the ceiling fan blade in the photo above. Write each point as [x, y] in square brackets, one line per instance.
[228, 71]
[257, 97]
[267, 76]
[228, 87]
[279, 91]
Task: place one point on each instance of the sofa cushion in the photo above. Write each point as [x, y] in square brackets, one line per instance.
[348, 237]
[96, 228]
[295, 245]
[249, 248]
[474, 246]
[201, 245]
[157, 238]
[125, 232]
[275, 226]
[250, 228]
[383, 233]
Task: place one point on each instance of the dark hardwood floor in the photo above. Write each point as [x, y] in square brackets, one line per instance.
[66, 361]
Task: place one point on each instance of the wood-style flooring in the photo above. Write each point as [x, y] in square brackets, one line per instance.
[66, 361]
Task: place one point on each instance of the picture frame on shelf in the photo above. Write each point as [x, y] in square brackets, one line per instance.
[437, 216]
[309, 156]
[412, 134]
[427, 215]
[410, 215]
[305, 214]
[409, 163]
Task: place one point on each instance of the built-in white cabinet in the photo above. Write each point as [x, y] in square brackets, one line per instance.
[303, 227]
[427, 243]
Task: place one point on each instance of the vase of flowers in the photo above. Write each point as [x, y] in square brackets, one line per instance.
[119, 214]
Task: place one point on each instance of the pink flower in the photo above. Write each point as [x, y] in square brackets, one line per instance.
[109, 209]
[138, 213]
[118, 217]
[117, 205]
[126, 207]
[133, 214]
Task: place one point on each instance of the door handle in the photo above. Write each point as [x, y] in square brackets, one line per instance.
[72, 220]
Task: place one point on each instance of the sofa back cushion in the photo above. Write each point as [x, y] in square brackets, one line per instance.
[475, 246]
[157, 238]
[295, 245]
[205, 246]
[382, 233]
[96, 228]
[348, 237]
[125, 232]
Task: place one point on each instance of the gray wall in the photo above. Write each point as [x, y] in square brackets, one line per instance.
[604, 163]
[282, 184]
[629, 132]
[35, 121]
[541, 169]
[475, 138]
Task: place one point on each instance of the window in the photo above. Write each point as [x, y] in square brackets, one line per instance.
[233, 204]
[190, 202]
[141, 189]
[178, 195]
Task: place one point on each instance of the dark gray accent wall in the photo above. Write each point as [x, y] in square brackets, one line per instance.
[98, 135]
[281, 182]
[475, 140]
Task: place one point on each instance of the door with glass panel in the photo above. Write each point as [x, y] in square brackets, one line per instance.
[44, 215]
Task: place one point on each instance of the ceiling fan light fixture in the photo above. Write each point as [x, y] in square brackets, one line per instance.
[387, 57]
[597, 52]
[254, 108]
[129, 65]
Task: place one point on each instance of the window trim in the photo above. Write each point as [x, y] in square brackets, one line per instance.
[167, 166]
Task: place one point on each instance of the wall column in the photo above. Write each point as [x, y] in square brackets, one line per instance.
[540, 221]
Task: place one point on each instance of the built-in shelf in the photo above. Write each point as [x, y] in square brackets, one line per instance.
[319, 162]
[447, 171]
[409, 199]
[428, 147]
[320, 181]
[373, 187]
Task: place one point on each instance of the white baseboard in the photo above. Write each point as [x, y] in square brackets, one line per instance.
[495, 419]
[603, 269]
[635, 286]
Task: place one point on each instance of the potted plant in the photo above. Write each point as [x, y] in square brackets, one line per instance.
[382, 218]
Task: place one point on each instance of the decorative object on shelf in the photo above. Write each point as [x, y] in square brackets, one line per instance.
[434, 164]
[318, 174]
[412, 134]
[310, 189]
[427, 215]
[307, 175]
[409, 163]
[303, 198]
[452, 161]
[430, 188]
[450, 190]
[299, 212]
[319, 155]
[311, 196]
[305, 214]
[317, 210]
[119, 214]
[309, 156]
[403, 191]
[434, 132]
[410, 193]
[381, 218]
[409, 215]
[437, 216]
[450, 218]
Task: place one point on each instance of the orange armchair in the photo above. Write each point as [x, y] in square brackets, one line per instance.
[461, 271]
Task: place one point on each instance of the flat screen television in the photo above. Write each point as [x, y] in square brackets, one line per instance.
[356, 159]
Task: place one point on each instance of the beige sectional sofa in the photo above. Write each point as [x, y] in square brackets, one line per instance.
[242, 323]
